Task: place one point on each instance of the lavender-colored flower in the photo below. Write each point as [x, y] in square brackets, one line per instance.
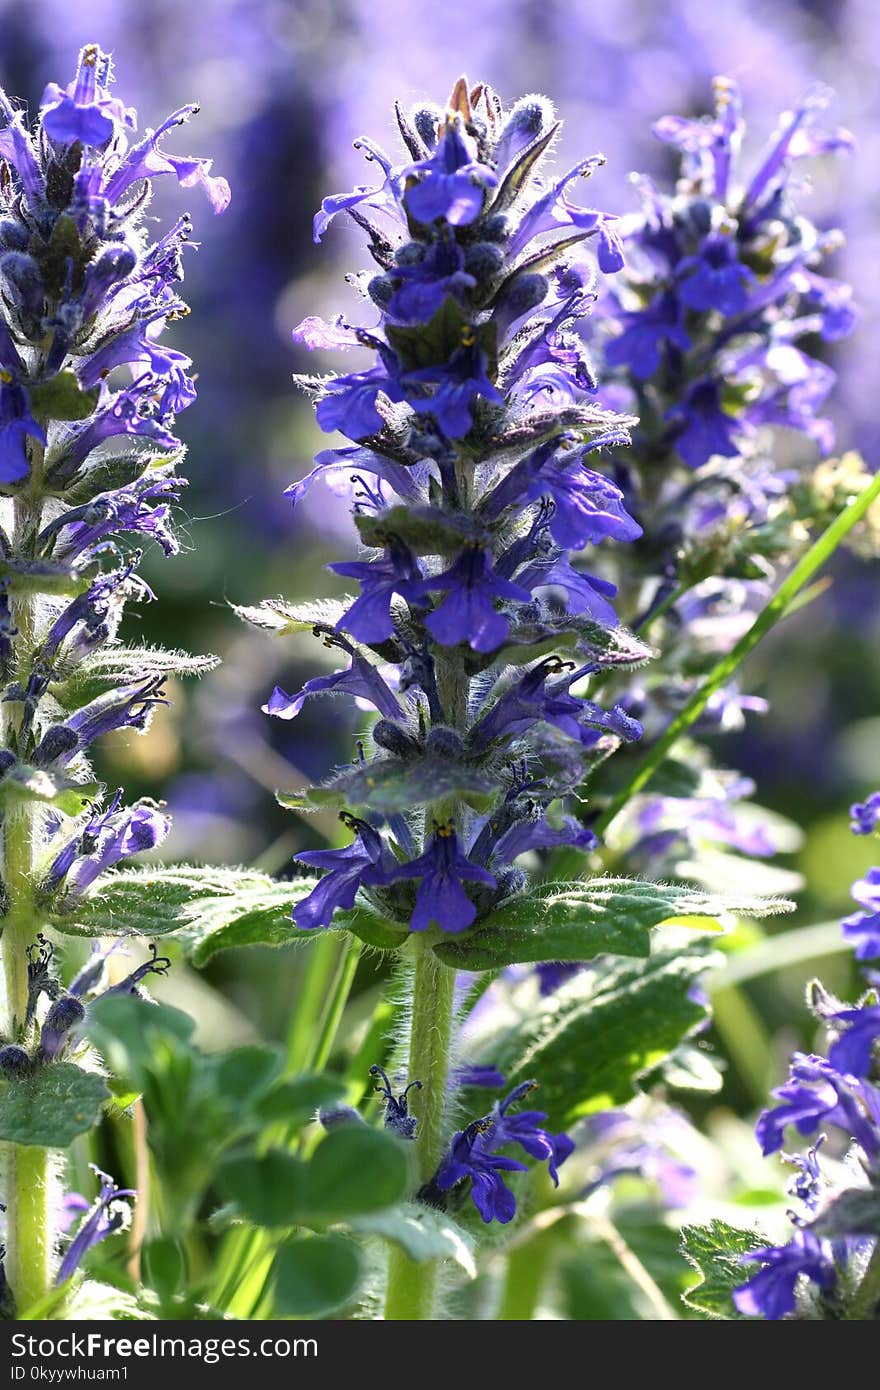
[442, 871]
[366, 862]
[770, 1293]
[451, 182]
[865, 815]
[106, 1215]
[818, 1094]
[468, 1160]
[468, 613]
[863, 928]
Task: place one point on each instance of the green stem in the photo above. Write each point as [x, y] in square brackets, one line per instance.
[343, 980]
[524, 1280]
[412, 1288]
[321, 963]
[776, 609]
[29, 1241]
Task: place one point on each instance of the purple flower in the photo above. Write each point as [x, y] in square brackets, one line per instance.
[640, 345]
[587, 505]
[818, 1094]
[369, 617]
[542, 694]
[384, 196]
[468, 613]
[716, 278]
[350, 406]
[107, 839]
[108, 1213]
[865, 815]
[452, 183]
[365, 863]
[704, 429]
[397, 1116]
[64, 1015]
[853, 1050]
[863, 928]
[84, 111]
[17, 425]
[457, 384]
[360, 679]
[443, 870]
[586, 593]
[469, 1161]
[526, 1129]
[770, 1293]
[424, 285]
[646, 1144]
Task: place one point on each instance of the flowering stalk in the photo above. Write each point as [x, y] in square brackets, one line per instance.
[475, 472]
[88, 395]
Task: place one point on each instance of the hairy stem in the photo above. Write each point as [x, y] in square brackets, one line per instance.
[412, 1287]
[29, 1239]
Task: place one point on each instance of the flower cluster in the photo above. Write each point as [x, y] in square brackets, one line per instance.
[711, 337]
[475, 467]
[89, 392]
[835, 1238]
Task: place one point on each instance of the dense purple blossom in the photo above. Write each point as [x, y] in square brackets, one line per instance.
[862, 929]
[770, 1293]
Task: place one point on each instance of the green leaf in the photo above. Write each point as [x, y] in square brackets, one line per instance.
[213, 909]
[164, 1266]
[356, 1170]
[530, 638]
[245, 1074]
[353, 1172]
[62, 398]
[388, 785]
[295, 1101]
[314, 1275]
[40, 576]
[24, 783]
[283, 618]
[434, 342]
[590, 1043]
[422, 1233]
[426, 530]
[269, 1190]
[52, 1106]
[715, 1253]
[580, 920]
[127, 1031]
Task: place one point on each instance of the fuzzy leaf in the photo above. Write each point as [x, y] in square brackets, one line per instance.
[715, 1252]
[518, 174]
[125, 665]
[24, 783]
[52, 1106]
[313, 1275]
[62, 398]
[590, 1043]
[40, 576]
[390, 784]
[426, 530]
[283, 618]
[853, 1212]
[213, 909]
[424, 1234]
[583, 919]
[529, 639]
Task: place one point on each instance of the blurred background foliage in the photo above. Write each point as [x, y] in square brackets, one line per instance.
[285, 86]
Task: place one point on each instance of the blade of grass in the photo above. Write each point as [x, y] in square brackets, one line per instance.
[781, 604]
